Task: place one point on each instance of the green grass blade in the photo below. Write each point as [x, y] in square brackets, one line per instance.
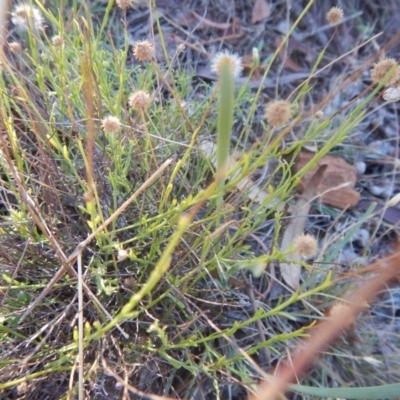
[372, 392]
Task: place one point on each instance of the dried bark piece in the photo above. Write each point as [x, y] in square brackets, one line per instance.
[337, 186]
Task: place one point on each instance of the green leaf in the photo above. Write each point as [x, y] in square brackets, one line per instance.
[363, 393]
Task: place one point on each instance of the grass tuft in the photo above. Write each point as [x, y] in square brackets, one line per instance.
[142, 211]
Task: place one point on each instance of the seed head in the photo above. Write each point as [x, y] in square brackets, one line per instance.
[25, 16]
[139, 100]
[335, 15]
[384, 68]
[22, 388]
[144, 50]
[111, 124]
[305, 246]
[278, 113]
[22, 11]
[57, 41]
[337, 310]
[124, 4]
[181, 48]
[122, 255]
[15, 47]
[225, 58]
[340, 308]
[319, 114]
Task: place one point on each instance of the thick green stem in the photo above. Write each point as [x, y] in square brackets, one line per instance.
[225, 122]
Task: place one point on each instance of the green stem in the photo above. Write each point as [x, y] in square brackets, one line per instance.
[224, 128]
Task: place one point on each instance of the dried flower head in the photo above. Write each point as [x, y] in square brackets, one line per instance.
[319, 114]
[129, 283]
[122, 255]
[88, 196]
[15, 47]
[181, 48]
[278, 113]
[305, 245]
[385, 68]
[124, 4]
[139, 100]
[335, 15]
[25, 16]
[111, 124]
[22, 388]
[232, 60]
[144, 50]
[57, 41]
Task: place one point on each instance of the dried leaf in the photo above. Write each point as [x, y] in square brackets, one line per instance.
[337, 187]
[291, 271]
[261, 10]
[392, 94]
[394, 200]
